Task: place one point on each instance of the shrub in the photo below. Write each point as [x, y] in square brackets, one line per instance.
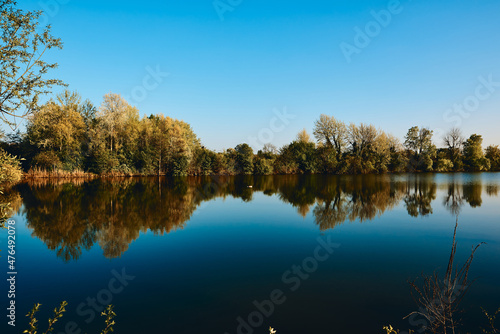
[10, 168]
[263, 166]
[47, 160]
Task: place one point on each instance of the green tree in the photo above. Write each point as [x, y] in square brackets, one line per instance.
[443, 162]
[265, 159]
[474, 159]
[204, 162]
[493, 155]
[327, 162]
[304, 155]
[22, 68]
[244, 158]
[263, 166]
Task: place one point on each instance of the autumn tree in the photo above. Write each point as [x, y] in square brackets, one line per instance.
[361, 139]
[57, 130]
[493, 155]
[22, 66]
[179, 150]
[10, 169]
[114, 112]
[421, 150]
[454, 143]
[381, 146]
[303, 137]
[331, 132]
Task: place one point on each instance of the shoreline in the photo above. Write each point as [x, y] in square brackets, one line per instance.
[86, 175]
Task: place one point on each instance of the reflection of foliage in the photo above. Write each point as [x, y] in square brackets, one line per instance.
[359, 197]
[10, 202]
[454, 199]
[72, 217]
[10, 172]
[492, 190]
[419, 194]
[472, 194]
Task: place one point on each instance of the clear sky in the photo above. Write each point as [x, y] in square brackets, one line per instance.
[233, 64]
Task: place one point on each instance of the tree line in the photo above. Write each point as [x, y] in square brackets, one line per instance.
[68, 134]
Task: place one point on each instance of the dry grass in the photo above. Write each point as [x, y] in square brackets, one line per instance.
[439, 298]
[39, 173]
[36, 172]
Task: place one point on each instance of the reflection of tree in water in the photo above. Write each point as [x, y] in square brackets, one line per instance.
[454, 199]
[472, 194]
[13, 198]
[73, 216]
[354, 198]
[298, 191]
[492, 190]
[419, 193]
[56, 215]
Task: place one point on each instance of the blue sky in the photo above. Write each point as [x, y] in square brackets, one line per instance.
[228, 77]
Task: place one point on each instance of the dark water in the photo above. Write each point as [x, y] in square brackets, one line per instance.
[194, 255]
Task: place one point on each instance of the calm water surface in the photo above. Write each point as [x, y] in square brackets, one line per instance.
[194, 255]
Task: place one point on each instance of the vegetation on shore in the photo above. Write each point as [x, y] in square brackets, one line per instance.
[68, 137]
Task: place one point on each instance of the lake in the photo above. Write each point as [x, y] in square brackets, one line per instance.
[303, 254]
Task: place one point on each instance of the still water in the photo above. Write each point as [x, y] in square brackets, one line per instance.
[303, 254]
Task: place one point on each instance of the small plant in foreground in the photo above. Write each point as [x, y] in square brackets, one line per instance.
[59, 312]
[491, 322]
[109, 314]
